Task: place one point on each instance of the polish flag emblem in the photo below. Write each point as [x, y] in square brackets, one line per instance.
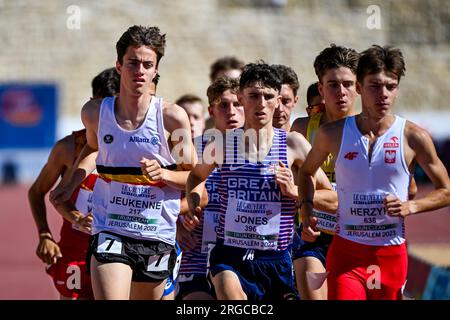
[389, 156]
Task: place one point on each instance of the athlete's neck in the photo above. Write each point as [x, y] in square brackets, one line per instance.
[286, 127]
[130, 111]
[372, 125]
[330, 117]
[258, 142]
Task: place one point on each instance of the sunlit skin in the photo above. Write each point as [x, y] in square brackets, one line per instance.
[227, 113]
[194, 111]
[282, 115]
[379, 92]
[338, 88]
[137, 70]
[260, 103]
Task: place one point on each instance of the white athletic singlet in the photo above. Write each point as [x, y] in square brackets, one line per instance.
[362, 186]
[125, 201]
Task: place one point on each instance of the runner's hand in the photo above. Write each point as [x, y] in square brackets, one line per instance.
[185, 238]
[309, 230]
[395, 207]
[85, 223]
[285, 181]
[60, 194]
[48, 250]
[153, 170]
[191, 220]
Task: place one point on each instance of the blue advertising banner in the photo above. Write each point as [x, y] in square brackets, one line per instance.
[27, 115]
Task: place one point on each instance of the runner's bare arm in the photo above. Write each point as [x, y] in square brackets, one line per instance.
[69, 212]
[194, 189]
[57, 163]
[325, 199]
[300, 125]
[85, 162]
[307, 180]
[424, 152]
[176, 122]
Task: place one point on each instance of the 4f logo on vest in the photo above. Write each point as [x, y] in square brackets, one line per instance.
[389, 156]
[108, 138]
[392, 144]
[351, 155]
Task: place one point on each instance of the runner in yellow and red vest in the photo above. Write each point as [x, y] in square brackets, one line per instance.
[335, 67]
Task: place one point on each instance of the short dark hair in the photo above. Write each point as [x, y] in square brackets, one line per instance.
[105, 84]
[224, 64]
[313, 91]
[141, 36]
[188, 98]
[261, 72]
[334, 57]
[377, 59]
[156, 79]
[219, 86]
[288, 76]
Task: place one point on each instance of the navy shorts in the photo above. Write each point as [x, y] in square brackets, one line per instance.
[151, 261]
[263, 274]
[317, 249]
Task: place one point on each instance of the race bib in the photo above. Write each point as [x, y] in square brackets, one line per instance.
[210, 224]
[134, 208]
[326, 222]
[158, 263]
[109, 244]
[252, 225]
[367, 219]
[83, 204]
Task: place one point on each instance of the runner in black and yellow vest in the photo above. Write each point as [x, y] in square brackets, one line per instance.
[335, 67]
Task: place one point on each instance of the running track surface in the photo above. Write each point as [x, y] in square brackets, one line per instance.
[22, 274]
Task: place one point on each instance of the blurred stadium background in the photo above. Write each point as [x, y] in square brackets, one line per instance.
[51, 50]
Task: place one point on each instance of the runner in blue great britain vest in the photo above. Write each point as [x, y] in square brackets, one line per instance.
[255, 225]
[251, 259]
[227, 113]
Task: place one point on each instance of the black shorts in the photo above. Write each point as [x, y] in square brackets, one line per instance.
[150, 260]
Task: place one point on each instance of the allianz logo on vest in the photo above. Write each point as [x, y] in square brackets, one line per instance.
[153, 140]
[108, 138]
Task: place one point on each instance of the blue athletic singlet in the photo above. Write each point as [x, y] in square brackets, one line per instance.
[254, 214]
[194, 261]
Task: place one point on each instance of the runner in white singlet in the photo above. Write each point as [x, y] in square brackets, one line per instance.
[375, 154]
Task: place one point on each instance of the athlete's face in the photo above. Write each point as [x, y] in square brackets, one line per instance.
[282, 114]
[194, 111]
[259, 104]
[338, 88]
[228, 113]
[378, 93]
[138, 70]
